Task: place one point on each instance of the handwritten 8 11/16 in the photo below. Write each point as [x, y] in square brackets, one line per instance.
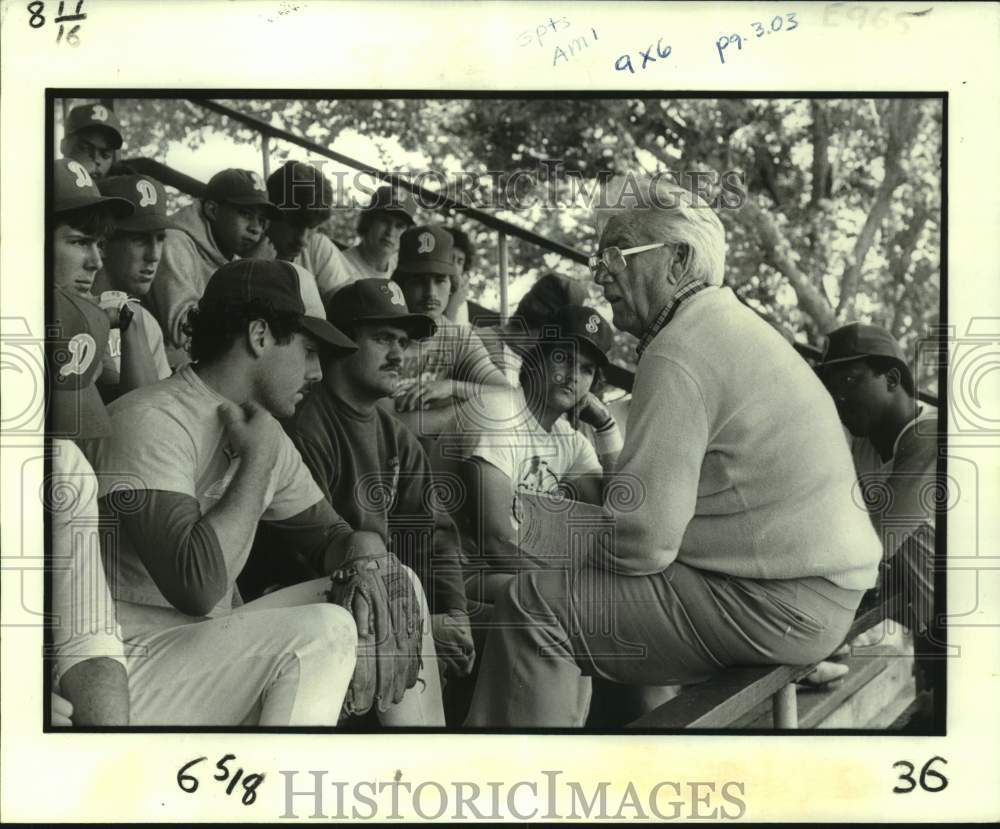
[786, 23]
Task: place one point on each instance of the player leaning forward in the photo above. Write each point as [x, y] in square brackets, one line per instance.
[742, 544]
[192, 464]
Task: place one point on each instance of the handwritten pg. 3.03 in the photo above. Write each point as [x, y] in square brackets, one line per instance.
[759, 30]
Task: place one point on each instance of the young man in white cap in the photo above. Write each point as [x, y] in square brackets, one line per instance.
[390, 212]
[304, 198]
[195, 462]
[353, 447]
[91, 136]
[227, 222]
[136, 353]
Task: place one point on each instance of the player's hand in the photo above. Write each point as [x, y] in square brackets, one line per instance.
[62, 711]
[456, 650]
[252, 432]
[591, 410]
[425, 395]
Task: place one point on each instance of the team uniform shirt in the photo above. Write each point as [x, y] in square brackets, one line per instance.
[533, 459]
[504, 357]
[320, 257]
[375, 474]
[154, 339]
[455, 352]
[741, 458]
[84, 614]
[170, 453]
[360, 269]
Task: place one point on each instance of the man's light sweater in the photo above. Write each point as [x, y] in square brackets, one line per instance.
[740, 452]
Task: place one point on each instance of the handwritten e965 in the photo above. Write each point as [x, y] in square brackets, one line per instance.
[779, 23]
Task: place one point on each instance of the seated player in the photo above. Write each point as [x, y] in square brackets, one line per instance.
[304, 198]
[370, 467]
[194, 463]
[136, 355]
[533, 448]
[452, 367]
[227, 222]
[388, 214]
[895, 450]
[82, 220]
[91, 136]
[89, 679]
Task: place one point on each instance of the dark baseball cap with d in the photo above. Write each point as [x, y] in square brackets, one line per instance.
[394, 200]
[149, 198]
[426, 249]
[74, 353]
[73, 188]
[95, 116]
[585, 326]
[241, 187]
[277, 283]
[377, 300]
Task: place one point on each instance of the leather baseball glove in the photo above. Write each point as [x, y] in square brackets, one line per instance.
[380, 596]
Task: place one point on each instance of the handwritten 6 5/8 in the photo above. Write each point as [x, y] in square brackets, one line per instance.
[779, 23]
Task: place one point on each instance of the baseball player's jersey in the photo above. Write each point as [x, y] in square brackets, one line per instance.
[534, 460]
[455, 352]
[320, 257]
[168, 438]
[360, 269]
[154, 339]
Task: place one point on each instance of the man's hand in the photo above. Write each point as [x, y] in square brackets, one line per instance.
[591, 410]
[62, 711]
[424, 395]
[456, 651]
[252, 432]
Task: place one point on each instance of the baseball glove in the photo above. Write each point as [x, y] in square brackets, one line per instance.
[380, 596]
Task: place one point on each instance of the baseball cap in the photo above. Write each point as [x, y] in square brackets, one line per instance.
[858, 340]
[393, 200]
[377, 300]
[549, 293]
[426, 249]
[149, 198]
[277, 283]
[99, 116]
[584, 325]
[299, 186]
[73, 188]
[74, 352]
[242, 187]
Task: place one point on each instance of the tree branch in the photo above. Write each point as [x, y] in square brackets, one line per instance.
[900, 120]
[821, 154]
[776, 254]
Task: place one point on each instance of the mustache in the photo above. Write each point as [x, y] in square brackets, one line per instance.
[395, 365]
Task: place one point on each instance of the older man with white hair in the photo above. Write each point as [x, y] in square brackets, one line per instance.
[740, 545]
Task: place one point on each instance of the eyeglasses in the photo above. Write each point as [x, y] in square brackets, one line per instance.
[614, 258]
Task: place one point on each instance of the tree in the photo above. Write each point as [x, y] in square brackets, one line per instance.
[841, 218]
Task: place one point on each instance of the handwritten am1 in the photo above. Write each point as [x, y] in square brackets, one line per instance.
[540, 37]
[625, 61]
[786, 23]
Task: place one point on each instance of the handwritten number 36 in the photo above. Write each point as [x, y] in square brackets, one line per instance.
[927, 774]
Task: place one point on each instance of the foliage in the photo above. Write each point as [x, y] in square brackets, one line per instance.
[841, 219]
